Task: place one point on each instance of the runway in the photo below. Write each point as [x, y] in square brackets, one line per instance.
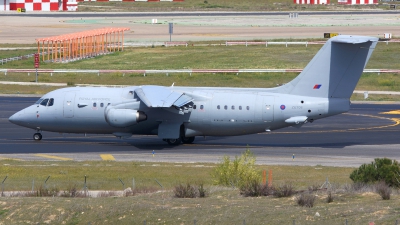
[366, 132]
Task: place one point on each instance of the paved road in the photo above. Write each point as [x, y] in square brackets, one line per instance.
[350, 139]
[181, 14]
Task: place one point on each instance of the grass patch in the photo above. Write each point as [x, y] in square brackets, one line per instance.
[204, 57]
[222, 205]
[212, 5]
[104, 175]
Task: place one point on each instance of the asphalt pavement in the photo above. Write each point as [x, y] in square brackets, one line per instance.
[366, 132]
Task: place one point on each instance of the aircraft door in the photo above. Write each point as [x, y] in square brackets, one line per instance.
[69, 104]
[268, 108]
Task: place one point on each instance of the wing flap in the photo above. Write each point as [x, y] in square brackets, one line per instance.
[158, 96]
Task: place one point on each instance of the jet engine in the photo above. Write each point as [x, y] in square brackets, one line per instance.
[124, 117]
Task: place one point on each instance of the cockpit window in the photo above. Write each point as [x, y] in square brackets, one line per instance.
[51, 102]
[44, 102]
[39, 101]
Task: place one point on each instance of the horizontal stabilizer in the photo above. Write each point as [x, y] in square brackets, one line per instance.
[158, 96]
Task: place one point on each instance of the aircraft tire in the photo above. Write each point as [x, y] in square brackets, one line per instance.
[174, 141]
[188, 140]
[37, 136]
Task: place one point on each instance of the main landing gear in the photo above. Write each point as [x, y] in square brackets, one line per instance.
[185, 140]
[37, 136]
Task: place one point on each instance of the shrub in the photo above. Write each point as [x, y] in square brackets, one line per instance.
[189, 191]
[382, 169]
[202, 191]
[255, 189]
[383, 190]
[329, 199]
[306, 200]
[285, 190]
[239, 172]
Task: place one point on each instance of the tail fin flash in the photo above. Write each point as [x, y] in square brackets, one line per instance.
[335, 69]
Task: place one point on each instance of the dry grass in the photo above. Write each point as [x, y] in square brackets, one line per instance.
[221, 205]
[210, 5]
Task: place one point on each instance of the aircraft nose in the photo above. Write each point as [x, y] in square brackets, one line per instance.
[14, 118]
[17, 118]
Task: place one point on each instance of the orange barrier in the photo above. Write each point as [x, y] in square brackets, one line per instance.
[82, 44]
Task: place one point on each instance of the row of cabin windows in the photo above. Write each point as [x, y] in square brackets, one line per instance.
[233, 107]
[101, 104]
[225, 107]
[45, 102]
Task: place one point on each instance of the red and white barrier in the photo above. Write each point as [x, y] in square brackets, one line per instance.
[130, 0]
[34, 5]
[4, 5]
[311, 2]
[357, 2]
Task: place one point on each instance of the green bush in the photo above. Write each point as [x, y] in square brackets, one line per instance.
[237, 173]
[382, 169]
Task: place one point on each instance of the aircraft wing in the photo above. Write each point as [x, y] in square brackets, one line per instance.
[159, 96]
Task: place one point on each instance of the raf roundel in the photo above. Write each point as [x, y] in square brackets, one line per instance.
[283, 107]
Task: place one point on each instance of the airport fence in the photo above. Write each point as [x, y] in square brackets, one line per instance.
[168, 72]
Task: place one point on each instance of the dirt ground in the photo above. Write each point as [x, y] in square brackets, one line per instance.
[25, 30]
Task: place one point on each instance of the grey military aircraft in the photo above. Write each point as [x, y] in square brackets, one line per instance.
[179, 114]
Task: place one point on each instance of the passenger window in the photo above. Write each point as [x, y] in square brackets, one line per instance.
[248, 107]
[240, 107]
[51, 102]
[226, 107]
[39, 101]
[94, 104]
[218, 107]
[194, 107]
[44, 102]
[101, 105]
[233, 107]
[201, 107]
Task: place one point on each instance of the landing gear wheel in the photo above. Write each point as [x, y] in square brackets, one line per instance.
[37, 136]
[188, 140]
[174, 141]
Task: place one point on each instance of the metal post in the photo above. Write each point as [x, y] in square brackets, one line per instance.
[346, 222]
[33, 184]
[36, 75]
[123, 185]
[2, 186]
[158, 183]
[133, 183]
[45, 186]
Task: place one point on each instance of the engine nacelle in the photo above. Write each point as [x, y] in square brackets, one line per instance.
[124, 117]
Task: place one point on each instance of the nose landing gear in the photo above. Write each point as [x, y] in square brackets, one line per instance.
[37, 136]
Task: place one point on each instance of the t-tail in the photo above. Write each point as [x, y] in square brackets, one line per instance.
[335, 69]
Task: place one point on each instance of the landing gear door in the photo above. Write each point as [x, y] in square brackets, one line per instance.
[268, 108]
[69, 104]
[169, 130]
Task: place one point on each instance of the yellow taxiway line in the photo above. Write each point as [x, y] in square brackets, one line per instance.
[107, 157]
[52, 157]
[393, 112]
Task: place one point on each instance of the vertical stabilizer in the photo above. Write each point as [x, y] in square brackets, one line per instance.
[335, 69]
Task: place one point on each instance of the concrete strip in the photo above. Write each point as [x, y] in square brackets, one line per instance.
[34, 84]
